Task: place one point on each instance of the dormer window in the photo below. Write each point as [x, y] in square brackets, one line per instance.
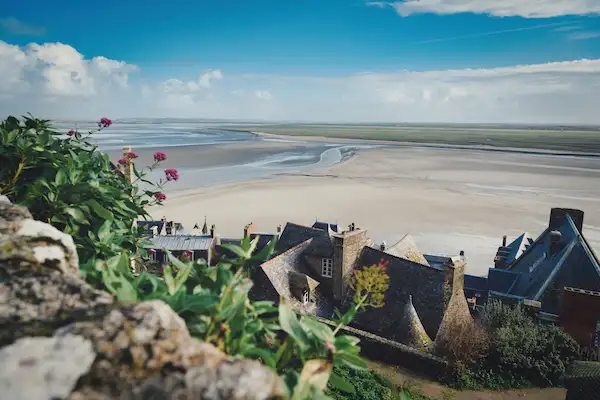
[306, 297]
[327, 267]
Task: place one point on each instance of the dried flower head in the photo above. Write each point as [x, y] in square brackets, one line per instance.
[370, 285]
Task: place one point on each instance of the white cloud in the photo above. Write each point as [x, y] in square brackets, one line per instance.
[54, 80]
[263, 95]
[583, 35]
[498, 8]
[13, 26]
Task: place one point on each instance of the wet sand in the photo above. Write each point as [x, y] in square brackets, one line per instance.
[448, 199]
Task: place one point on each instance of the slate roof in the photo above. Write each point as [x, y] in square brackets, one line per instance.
[145, 227]
[542, 268]
[283, 272]
[539, 267]
[263, 239]
[407, 248]
[294, 234]
[477, 283]
[180, 242]
[500, 280]
[325, 226]
[518, 247]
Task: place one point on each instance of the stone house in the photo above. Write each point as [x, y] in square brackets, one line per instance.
[557, 274]
[314, 264]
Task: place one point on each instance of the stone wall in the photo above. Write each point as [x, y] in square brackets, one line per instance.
[62, 339]
[376, 348]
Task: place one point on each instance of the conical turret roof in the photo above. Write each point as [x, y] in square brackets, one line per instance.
[412, 332]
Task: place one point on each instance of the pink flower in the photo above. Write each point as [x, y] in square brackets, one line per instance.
[131, 155]
[118, 171]
[172, 174]
[71, 132]
[160, 196]
[104, 123]
[159, 156]
[152, 251]
[187, 253]
[122, 161]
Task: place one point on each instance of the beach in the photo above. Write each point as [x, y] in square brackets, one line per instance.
[448, 199]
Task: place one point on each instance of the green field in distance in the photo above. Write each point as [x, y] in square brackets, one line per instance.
[567, 139]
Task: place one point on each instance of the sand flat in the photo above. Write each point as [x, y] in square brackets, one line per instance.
[450, 200]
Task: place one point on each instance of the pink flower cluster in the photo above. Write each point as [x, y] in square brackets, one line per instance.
[104, 122]
[187, 253]
[71, 132]
[128, 156]
[160, 196]
[172, 174]
[160, 156]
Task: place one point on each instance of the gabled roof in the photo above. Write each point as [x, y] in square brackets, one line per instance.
[286, 270]
[540, 267]
[294, 234]
[407, 248]
[518, 247]
[180, 242]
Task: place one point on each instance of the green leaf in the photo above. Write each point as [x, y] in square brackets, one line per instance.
[265, 355]
[289, 324]
[168, 277]
[351, 360]
[342, 384]
[199, 303]
[61, 177]
[77, 215]
[100, 210]
[104, 230]
[319, 329]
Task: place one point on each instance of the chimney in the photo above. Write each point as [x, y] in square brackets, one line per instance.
[383, 246]
[504, 241]
[558, 216]
[278, 228]
[212, 231]
[347, 248]
[555, 239]
[245, 231]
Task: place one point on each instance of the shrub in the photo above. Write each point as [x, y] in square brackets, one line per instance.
[522, 351]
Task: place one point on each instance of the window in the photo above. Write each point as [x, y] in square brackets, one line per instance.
[327, 267]
[306, 297]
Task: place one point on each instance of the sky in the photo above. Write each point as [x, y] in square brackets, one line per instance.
[513, 61]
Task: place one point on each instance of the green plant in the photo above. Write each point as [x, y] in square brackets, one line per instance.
[522, 351]
[66, 182]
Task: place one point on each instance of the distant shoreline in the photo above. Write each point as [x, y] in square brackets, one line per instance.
[422, 144]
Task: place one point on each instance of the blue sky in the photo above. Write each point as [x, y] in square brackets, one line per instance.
[331, 39]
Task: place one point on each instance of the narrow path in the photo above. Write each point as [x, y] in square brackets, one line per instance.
[402, 377]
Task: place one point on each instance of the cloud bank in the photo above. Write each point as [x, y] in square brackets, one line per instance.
[497, 8]
[54, 80]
